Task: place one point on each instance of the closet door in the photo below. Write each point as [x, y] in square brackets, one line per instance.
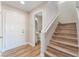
[1, 36]
[14, 27]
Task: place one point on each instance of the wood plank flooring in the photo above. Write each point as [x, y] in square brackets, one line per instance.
[23, 51]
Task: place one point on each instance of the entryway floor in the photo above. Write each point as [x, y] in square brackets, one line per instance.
[26, 51]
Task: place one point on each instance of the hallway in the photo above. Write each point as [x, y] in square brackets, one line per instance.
[39, 29]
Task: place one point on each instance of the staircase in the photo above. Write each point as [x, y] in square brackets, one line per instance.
[64, 42]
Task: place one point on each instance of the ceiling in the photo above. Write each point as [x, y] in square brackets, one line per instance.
[27, 6]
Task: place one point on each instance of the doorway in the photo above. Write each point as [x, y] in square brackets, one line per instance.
[38, 26]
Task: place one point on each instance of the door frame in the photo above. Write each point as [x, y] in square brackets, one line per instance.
[33, 18]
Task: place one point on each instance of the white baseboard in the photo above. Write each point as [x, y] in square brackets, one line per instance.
[31, 44]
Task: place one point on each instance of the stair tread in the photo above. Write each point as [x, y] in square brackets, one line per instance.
[62, 49]
[50, 54]
[74, 45]
[65, 29]
[65, 46]
[65, 33]
[65, 37]
[57, 53]
[72, 41]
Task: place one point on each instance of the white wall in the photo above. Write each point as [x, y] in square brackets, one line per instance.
[15, 27]
[49, 11]
[66, 10]
[0, 29]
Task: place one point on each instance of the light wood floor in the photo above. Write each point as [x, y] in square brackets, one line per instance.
[25, 51]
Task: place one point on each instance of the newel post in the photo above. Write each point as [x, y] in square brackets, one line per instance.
[42, 39]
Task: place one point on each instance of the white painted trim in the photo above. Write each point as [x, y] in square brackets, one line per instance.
[31, 44]
[33, 21]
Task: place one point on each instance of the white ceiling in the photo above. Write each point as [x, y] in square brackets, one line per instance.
[28, 6]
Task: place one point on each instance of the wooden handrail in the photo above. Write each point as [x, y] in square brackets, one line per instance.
[47, 28]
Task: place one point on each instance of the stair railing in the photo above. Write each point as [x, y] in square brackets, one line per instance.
[46, 34]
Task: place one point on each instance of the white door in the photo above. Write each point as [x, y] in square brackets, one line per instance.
[0, 32]
[14, 28]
